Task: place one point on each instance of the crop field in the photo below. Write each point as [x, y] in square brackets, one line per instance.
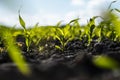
[62, 52]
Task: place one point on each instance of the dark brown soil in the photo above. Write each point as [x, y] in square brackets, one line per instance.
[74, 63]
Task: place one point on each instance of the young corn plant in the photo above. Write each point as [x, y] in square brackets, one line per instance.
[75, 29]
[27, 33]
[89, 31]
[107, 25]
[14, 52]
[110, 27]
[64, 34]
[61, 35]
[116, 22]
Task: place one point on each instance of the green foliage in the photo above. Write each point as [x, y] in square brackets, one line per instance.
[105, 62]
[63, 34]
[90, 29]
[27, 33]
[14, 52]
[108, 28]
[22, 22]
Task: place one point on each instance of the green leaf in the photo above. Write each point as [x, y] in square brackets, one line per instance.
[60, 39]
[22, 23]
[15, 53]
[111, 4]
[73, 20]
[116, 23]
[105, 62]
[70, 39]
[36, 25]
[58, 47]
[117, 10]
[27, 43]
[92, 20]
[92, 28]
[60, 31]
[57, 37]
[58, 24]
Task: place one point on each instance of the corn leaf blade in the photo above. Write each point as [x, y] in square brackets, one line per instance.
[22, 23]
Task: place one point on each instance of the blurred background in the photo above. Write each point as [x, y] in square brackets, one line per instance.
[49, 12]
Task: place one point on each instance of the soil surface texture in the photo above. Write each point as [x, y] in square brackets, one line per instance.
[74, 63]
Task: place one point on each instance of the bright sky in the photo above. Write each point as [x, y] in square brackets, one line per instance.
[49, 12]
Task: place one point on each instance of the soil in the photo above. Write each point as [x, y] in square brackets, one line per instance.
[74, 63]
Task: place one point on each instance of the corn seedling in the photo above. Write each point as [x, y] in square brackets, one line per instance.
[27, 33]
[65, 34]
[14, 52]
[89, 29]
[108, 28]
